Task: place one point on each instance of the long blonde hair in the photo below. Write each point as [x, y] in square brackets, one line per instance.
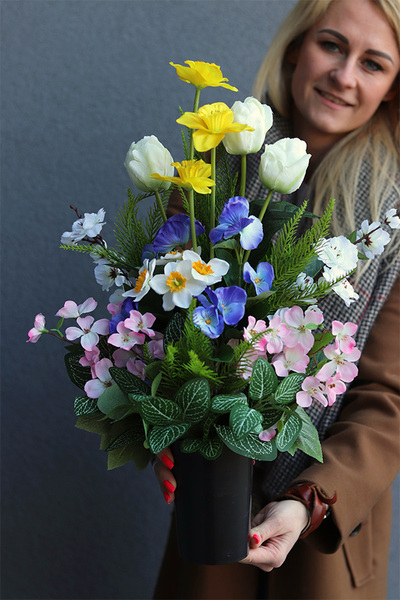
[376, 142]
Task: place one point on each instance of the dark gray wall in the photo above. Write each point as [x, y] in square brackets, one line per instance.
[80, 81]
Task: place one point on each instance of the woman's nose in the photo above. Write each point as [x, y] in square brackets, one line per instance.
[344, 74]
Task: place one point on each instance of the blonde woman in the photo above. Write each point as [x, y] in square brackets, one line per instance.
[332, 77]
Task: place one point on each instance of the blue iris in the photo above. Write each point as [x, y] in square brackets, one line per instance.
[262, 278]
[175, 232]
[234, 219]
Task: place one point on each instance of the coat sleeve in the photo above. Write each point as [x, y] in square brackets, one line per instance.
[362, 448]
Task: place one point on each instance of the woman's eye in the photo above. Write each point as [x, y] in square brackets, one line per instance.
[330, 46]
[372, 65]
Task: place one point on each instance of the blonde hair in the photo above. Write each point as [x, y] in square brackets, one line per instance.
[375, 142]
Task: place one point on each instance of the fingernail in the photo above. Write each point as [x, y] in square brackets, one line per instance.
[256, 538]
[248, 538]
[166, 496]
[169, 486]
[167, 461]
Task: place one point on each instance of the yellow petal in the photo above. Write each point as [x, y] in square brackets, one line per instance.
[204, 140]
[202, 74]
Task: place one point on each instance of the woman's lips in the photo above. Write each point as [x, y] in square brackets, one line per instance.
[333, 99]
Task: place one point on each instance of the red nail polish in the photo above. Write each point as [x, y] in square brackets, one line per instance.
[167, 461]
[169, 486]
[256, 538]
[166, 496]
[248, 538]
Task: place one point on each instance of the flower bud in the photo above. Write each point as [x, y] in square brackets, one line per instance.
[283, 165]
[146, 157]
[250, 112]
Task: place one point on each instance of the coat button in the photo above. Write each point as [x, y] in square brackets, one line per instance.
[356, 530]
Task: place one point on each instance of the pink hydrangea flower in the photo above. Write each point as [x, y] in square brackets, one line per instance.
[291, 359]
[121, 357]
[311, 389]
[136, 367]
[71, 310]
[90, 358]
[103, 380]
[275, 335]
[125, 338]
[38, 329]
[88, 331]
[343, 335]
[334, 387]
[138, 322]
[339, 362]
[298, 332]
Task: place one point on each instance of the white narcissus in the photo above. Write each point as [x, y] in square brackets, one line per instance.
[250, 112]
[284, 164]
[146, 157]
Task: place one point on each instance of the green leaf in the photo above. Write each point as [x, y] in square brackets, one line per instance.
[287, 389]
[133, 435]
[289, 433]
[129, 383]
[174, 329]
[159, 411]
[271, 416]
[211, 448]
[232, 276]
[251, 446]
[155, 384]
[225, 354]
[230, 244]
[85, 406]
[78, 375]
[308, 440]
[161, 437]
[224, 403]
[263, 380]
[194, 399]
[243, 420]
[113, 402]
[321, 342]
[153, 369]
[118, 457]
[189, 445]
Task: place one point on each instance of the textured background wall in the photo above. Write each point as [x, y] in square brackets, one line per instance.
[80, 81]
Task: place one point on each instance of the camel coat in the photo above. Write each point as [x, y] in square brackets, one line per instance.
[346, 558]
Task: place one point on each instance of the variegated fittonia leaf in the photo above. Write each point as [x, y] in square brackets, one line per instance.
[224, 403]
[243, 420]
[289, 433]
[263, 380]
[161, 437]
[159, 411]
[194, 399]
[85, 406]
[287, 389]
[129, 383]
[251, 446]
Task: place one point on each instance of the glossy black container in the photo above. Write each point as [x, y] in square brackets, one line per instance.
[212, 506]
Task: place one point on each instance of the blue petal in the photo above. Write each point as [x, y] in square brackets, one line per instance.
[231, 303]
[209, 321]
[248, 273]
[175, 232]
[252, 235]
[236, 208]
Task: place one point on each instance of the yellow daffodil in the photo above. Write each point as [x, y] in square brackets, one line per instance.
[211, 122]
[202, 74]
[192, 174]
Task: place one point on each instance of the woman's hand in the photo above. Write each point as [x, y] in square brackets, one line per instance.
[162, 465]
[275, 530]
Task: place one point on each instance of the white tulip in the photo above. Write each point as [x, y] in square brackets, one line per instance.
[250, 112]
[146, 157]
[283, 165]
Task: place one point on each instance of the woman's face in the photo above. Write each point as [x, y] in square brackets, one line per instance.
[345, 67]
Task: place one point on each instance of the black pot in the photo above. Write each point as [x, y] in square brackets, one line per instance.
[212, 506]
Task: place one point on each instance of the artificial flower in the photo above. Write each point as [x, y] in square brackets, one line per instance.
[338, 252]
[267, 434]
[107, 275]
[90, 358]
[311, 389]
[343, 334]
[138, 322]
[334, 386]
[202, 74]
[38, 329]
[283, 165]
[339, 361]
[136, 367]
[88, 331]
[89, 226]
[292, 359]
[274, 335]
[261, 278]
[253, 330]
[342, 288]
[177, 285]
[125, 338]
[372, 239]
[392, 219]
[127, 305]
[71, 310]
[142, 283]
[299, 327]
[211, 122]
[192, 174]
[208, 319]
[231, 303]
[234, 219]
[258, 116]
[146, 157]
[103, 380]
[175, 232]
[208, 273]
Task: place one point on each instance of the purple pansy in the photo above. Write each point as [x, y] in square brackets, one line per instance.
[231, 303]
[234, 219]
[126, 308]
[175, 232]
[261, 278]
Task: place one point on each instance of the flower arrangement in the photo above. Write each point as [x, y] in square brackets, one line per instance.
[214, 334]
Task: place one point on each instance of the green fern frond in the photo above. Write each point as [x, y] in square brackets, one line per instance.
[197, 368]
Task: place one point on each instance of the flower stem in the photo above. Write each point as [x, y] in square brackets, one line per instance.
[243, 175]
[160, 205]
[260, 216]
[192, 219]
[212, 202]
[195, 108]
